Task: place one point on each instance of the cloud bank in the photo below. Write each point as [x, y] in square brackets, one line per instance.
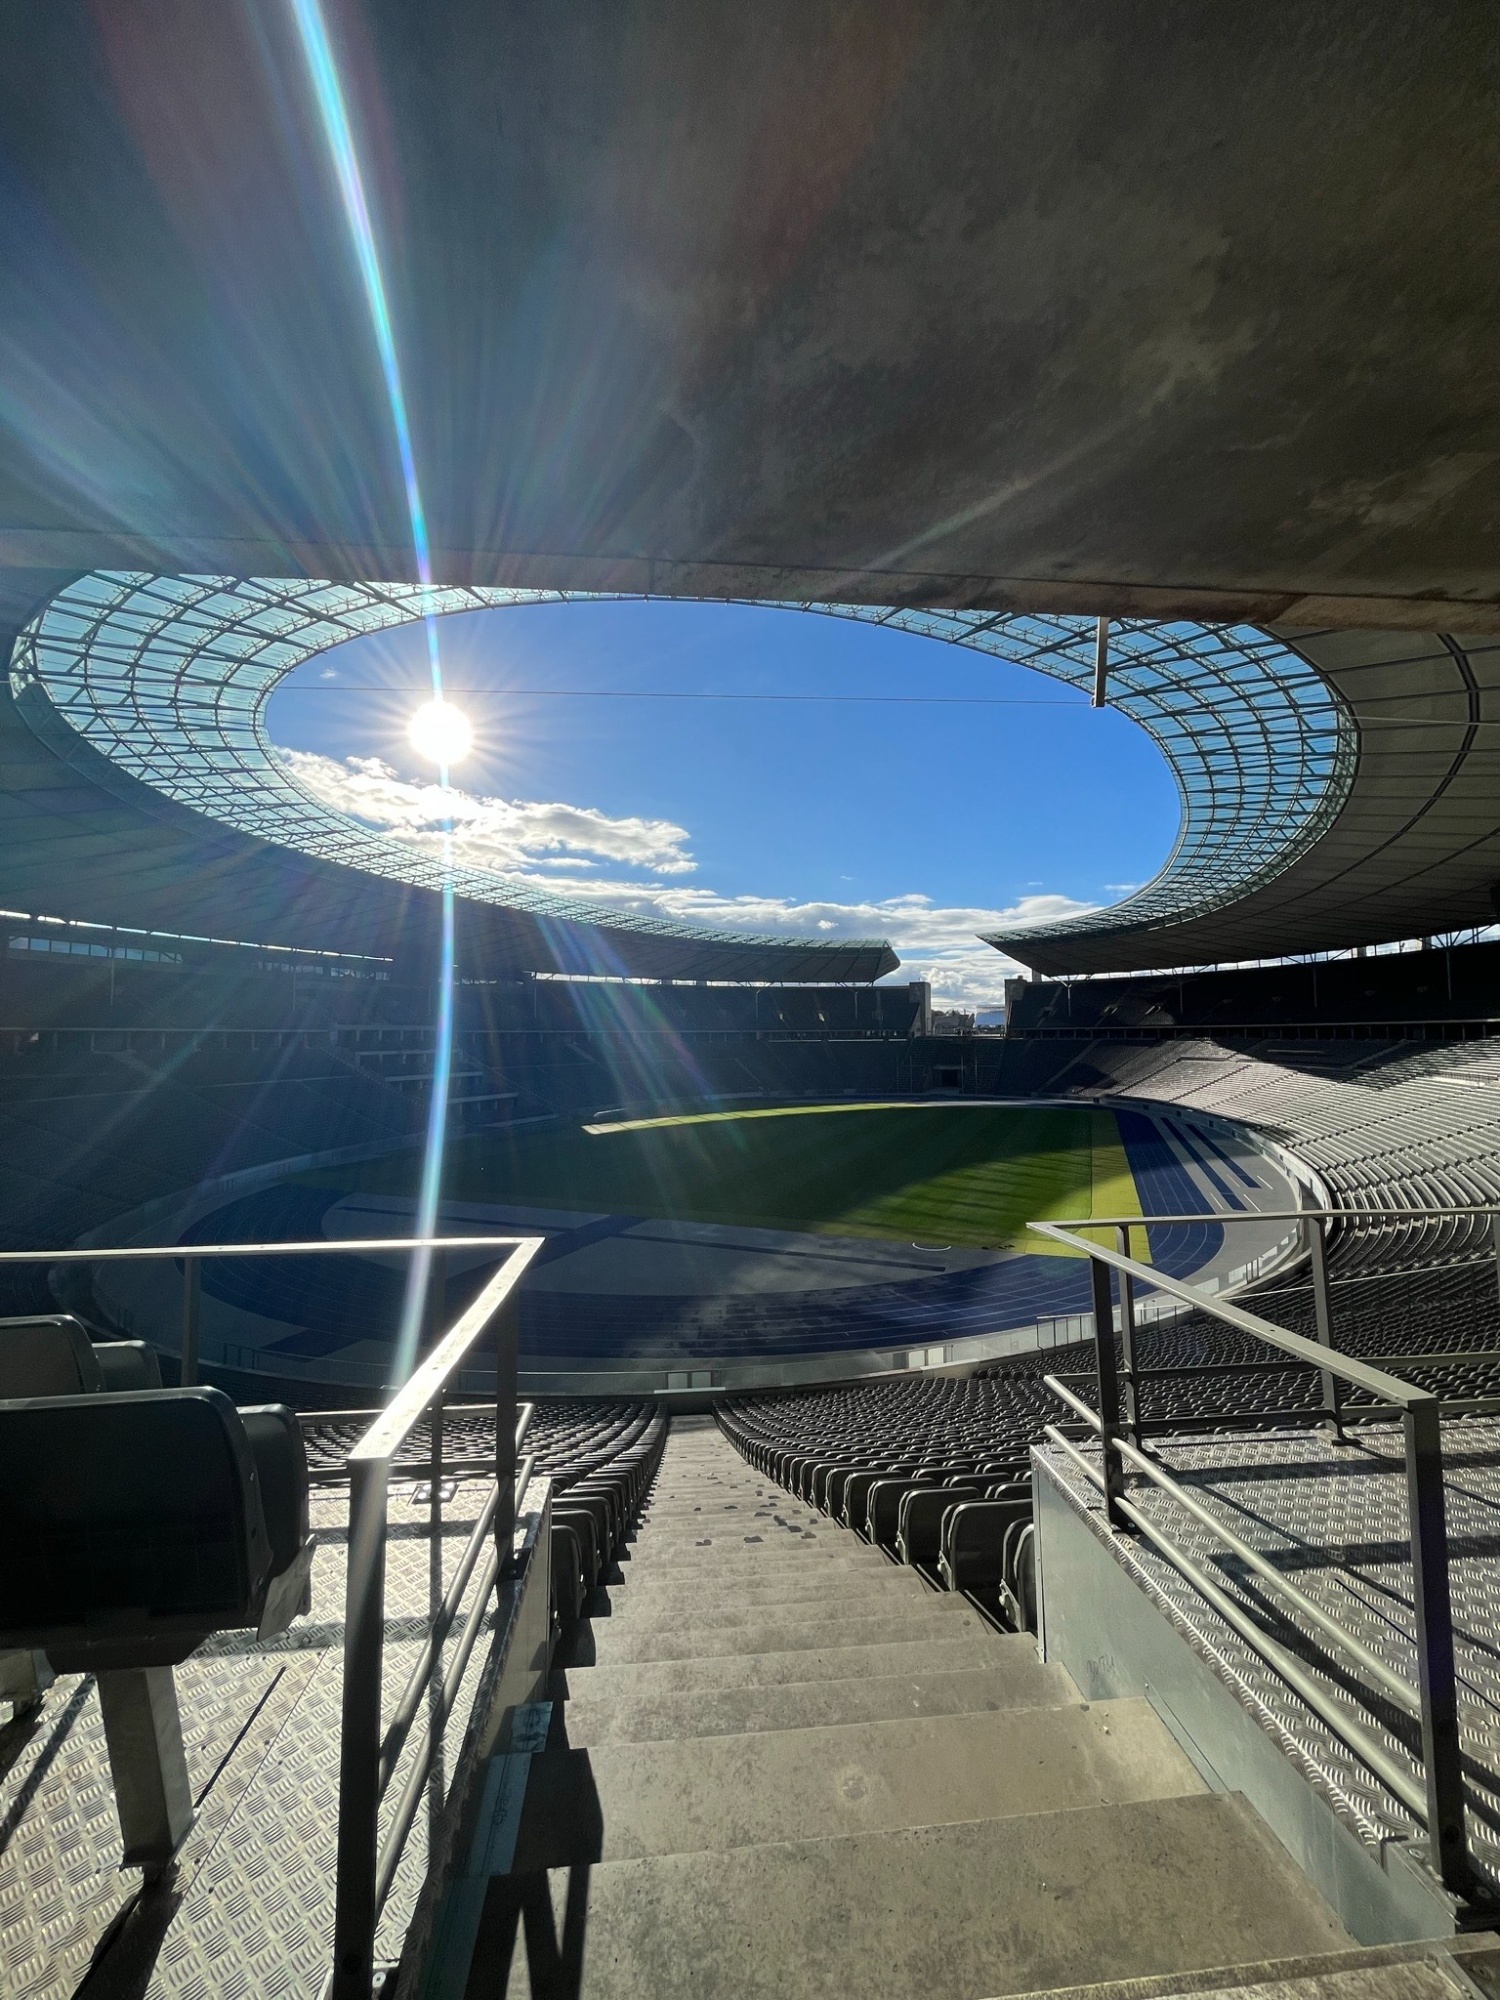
[504, 834]
[559, 847]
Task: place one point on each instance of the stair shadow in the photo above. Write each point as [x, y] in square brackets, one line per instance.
[562, 1828]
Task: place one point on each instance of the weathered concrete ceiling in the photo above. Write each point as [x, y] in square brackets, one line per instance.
[1135, 307]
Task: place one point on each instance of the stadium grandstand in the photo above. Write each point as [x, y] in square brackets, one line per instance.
[548, 1449]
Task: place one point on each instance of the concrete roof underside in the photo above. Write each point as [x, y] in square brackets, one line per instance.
[1154, 312]
[1414, 850]
[1158, 311]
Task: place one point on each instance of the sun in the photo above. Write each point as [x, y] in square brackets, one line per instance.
[441, 732]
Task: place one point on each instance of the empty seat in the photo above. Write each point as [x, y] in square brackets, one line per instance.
[54, 1356]
[971, 1555]
[569, 1588]
[1018, 1588]
[883, 1507]
[134, 1526]
[920, 1519]
[137, 1524]
[584, 1528]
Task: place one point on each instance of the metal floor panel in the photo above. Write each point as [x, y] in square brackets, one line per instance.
[1333, 1518]
[248, 1914]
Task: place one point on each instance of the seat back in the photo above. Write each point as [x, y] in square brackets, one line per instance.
[129, 1521]
[51, 1356]
[920, 1519]
[127, 1365]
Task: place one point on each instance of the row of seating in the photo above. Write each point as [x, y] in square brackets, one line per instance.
[961, 1516]
[595, 1502]
[599, 1453]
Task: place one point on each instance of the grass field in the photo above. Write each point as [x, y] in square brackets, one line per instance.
[932, 1173]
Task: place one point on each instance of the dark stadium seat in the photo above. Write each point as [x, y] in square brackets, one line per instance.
[883, 1506]
[569, 1581]
[920, 1520]
[54, 1356]
[1018, 1579]
[972, 1550]
[135, 1525]
[584, 1528]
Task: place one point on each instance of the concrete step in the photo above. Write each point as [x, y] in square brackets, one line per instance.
[940, 1618]
[750, 1534]
[736, 1564]
[726, 1556]
[729, 1608]
[1021, 1681]
[746, 1515]
[953, 1912]
[1428, 1969]
[767, 1669]
[886, 1585]
[718, 1792]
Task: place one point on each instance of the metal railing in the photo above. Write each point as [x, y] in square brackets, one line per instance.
[369, 1756]
[1435, 1798]
[191, 1256]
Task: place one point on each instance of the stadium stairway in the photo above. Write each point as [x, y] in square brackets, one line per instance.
[777, 1766]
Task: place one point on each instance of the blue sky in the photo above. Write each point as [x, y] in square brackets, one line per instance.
[925, 794]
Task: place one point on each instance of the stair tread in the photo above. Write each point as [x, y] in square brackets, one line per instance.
[674, 1641]
[768, 1669]
[951, 1912]
[649, 1716]
[718, 1792]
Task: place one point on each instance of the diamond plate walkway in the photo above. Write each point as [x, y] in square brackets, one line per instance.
[1333, 1519]
[788, 1769]
[248, 1910]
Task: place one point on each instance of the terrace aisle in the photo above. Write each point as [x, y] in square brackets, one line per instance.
[810, 1775]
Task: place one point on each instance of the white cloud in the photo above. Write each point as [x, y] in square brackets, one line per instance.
[935, 941]
[503, 834]
[516, 838]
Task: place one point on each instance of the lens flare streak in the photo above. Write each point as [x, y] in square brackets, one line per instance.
[338, 132]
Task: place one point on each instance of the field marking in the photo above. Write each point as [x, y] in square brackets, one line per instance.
[807, 1111]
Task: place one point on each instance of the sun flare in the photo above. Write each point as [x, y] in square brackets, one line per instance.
[441, 733]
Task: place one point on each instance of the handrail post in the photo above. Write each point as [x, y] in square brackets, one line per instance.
[1127, 1346]
[355, 1902]
[1109, 1391]
[1317, 1256]
[506, 1342]
[192, 1310]
[1436, 1675]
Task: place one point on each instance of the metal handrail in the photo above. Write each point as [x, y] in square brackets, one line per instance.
[1399, 1690]
[366, 1868]
[399, 1726]
[1374, 1381]
[317, 1246]
[1440, 1803]
[190, 1255]
[1365, 1745]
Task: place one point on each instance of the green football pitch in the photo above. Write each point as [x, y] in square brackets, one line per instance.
[931, 1173]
